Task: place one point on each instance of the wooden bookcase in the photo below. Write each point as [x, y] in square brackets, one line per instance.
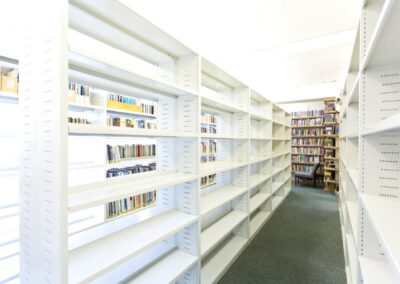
[331, 145]
[308, 141]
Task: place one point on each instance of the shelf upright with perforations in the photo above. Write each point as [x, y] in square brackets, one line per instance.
[194, 231]
[369, 159]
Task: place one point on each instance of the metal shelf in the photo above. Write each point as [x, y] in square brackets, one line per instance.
[390, 124]
[382, 214]
[257, 200]
[90, 261]
[90, 195]
[169, 268]
[215, 233]
[220, 197]
[215, 266]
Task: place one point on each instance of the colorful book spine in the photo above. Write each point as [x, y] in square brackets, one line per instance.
[128, 205]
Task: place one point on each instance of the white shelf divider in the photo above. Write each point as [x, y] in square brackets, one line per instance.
[258, 221]
[169, 268]
[90, 261]
[215, 233]
[90, 195]
[215, 267]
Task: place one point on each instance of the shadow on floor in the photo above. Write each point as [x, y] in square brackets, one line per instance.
[301, 243]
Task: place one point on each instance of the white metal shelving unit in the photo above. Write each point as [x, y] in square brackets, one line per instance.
[195, 231]
[9, 192]
[369, 156]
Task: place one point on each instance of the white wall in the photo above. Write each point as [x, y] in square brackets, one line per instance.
[292, 107]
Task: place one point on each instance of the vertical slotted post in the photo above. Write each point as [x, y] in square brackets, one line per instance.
[43, 175]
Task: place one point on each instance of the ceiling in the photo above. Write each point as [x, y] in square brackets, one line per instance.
[286, 49]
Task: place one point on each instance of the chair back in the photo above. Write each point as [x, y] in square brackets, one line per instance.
[314, 168]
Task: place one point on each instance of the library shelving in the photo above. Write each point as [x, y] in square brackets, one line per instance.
[308, 141]
[181, 213]
[369, 143]
[9, 176]
[331, 145]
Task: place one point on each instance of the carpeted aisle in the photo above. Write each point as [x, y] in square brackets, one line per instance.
[301, 243]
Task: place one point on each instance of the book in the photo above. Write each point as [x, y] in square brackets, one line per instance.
[129, 205]
[120, 152]
[123, 171]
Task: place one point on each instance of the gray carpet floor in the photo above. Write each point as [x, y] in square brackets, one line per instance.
[301, 243]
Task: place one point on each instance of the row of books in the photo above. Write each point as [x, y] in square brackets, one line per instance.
[308, 159]
[208, 147]
[330, 153]
[301, 168]
[332, 117]
[86, 95]
[308, 132]
[308, 141]
[127, 205]
[308, 122]
[128, 103]
[9, 80]
[116, 153]
[78, 120]
[115, 172]
[332, 129]
[331, 142]
[209, 158]
[307, 113]
[330, 164]
[308, 150]
[208, 118]
[131, 123]
[208, 128]
[208, 180]
[78, 93]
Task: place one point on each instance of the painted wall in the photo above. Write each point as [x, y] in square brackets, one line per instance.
[292, 107]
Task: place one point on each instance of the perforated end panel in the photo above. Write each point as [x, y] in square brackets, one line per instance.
[188, 239]
[240, 176]
[242, 98]
[167, 197]
[382, 94]
[167, 113]
[369, 17]
[369, 245]
[243, 229]
[240, 125]
[168, 71]
[187, 149]
[43, 178]
[225, 152]
[188, 108]
[382, 165]
[167, 158]
[240, 150]
[224, 123]
[188, 72]
[224, 178]
[188, 198]
[191, 276]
